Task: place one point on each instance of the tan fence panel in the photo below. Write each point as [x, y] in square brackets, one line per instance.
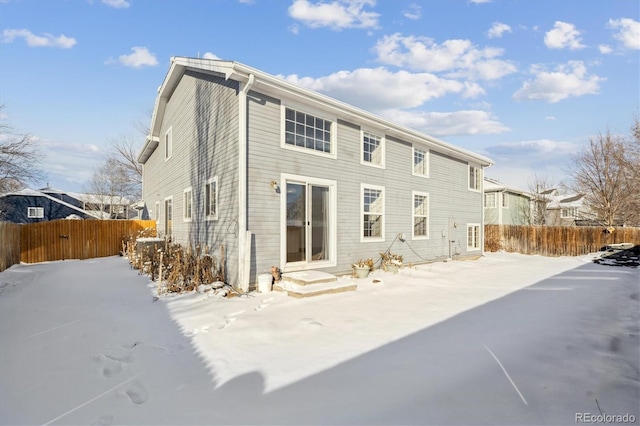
[555, 240]
[77, 239]
[9, 244]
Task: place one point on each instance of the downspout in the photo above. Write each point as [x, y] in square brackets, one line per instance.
[244, 237]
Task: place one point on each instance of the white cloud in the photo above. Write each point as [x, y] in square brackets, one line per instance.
[400, 89]
[480, 1]
[413, 12]
[32, 40]
[465, 122]
[497, 29]
[568, 80]
[209, 55]
[118, 4]
[337, 15]
[605, 49]
[628, 32]
[72, 163]
[139, 58]
[562, 36]
[550, 118]
[458, 57]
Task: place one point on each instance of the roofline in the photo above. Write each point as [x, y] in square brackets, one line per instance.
[42, 194]
[241, 73]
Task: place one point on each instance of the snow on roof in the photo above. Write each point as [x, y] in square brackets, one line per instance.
[493, 185]
[28, 192]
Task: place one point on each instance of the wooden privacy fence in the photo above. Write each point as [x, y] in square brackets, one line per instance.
[555, 240]
[77, 239]
[9, 244]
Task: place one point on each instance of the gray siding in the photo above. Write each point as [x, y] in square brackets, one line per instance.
[450, 199]
[203, 115]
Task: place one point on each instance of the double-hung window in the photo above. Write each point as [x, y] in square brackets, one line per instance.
[306, 131]
[372, 213]
[211, 199]
[372, 149]
[490, 200]
[569, 212]
[188, 205]
[35, 212]
[505, 200]
[473, 236]
[475, 178]
[420, 215]
[420, 162]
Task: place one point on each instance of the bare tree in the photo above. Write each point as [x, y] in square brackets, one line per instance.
[112, 187]
[125, 151]
[19, 158]
[541, 188]
[606, 172]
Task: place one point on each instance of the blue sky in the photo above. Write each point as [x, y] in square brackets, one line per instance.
[524, 82]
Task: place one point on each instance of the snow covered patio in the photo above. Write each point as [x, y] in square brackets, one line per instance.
[83, 342]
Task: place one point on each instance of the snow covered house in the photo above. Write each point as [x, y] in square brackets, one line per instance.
[283, 176]
[30, 206]
[506, 205]
[569, 210]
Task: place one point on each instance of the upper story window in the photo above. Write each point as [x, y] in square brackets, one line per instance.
[306, 131]
[372, 149]
[420, 162]
[168, 144]
[35, 212]
[490, 200]
[505, 200]
[475, 178]
[569, 212]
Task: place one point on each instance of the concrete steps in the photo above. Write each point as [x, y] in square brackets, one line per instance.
[312, 283]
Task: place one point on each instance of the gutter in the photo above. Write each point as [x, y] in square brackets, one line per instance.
[244, 236]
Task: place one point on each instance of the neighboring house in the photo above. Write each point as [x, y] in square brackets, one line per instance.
[505, 205]
[104, 206]
[283, 176]
[30, 206]
[569, 210]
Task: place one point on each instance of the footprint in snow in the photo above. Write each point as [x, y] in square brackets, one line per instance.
[309, 323]
[264, 304]
[227, 323]
[136, 392]
[112, 360]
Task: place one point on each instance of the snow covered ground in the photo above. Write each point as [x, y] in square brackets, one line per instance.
[84, 342]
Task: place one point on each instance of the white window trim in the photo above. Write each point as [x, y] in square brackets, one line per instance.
[470, 248]
[168, 144]
[493, 195]
[306, 110]
[364, 239]
[173, 215]
[188, 190]
[478, 178]
[333, 223]
[413, 215]
[157, 212]
[35, 212]
[427, 159]
[382, 148]
[217, 198]
[572, 212]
